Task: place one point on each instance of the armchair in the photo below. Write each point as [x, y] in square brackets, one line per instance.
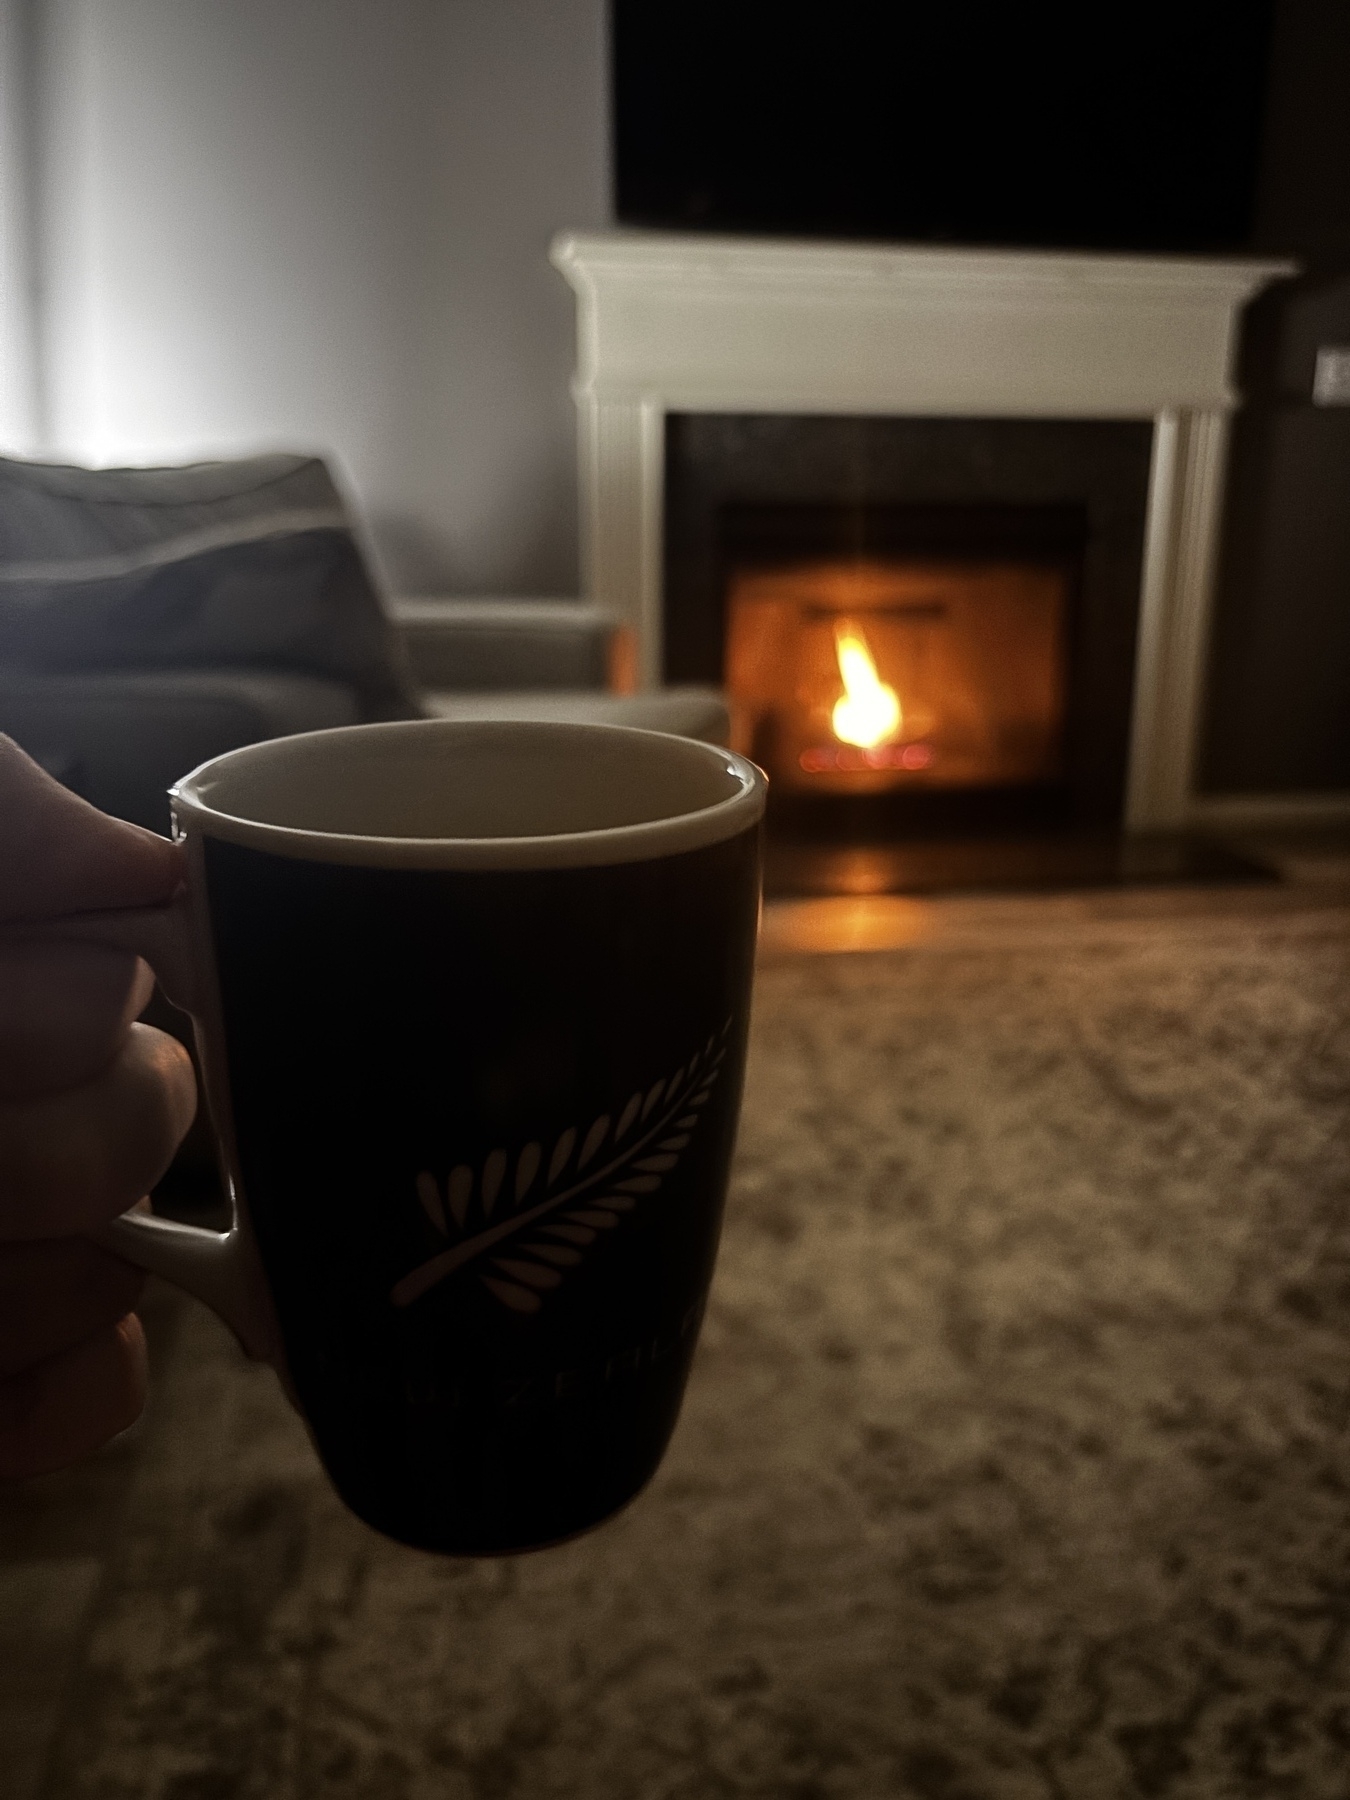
[152, 618]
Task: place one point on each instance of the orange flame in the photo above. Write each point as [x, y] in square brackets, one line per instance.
[869, 712]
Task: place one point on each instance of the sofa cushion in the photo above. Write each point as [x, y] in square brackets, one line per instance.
[250, 564]
[122, 739]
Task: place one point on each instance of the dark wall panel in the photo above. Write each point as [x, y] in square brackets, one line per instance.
[1279, 697]
[1280, 674]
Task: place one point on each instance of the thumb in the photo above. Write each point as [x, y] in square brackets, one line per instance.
[60, 855]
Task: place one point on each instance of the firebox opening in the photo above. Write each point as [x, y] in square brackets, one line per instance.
[882, 676]
[916, 677]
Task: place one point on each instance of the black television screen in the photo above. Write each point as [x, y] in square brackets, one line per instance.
[1112, 124]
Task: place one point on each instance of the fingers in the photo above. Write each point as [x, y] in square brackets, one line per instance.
[61, 855]
[91, 1109]
[67, 1406]
[57, 1292]
[69, 1161]
[64, 1010]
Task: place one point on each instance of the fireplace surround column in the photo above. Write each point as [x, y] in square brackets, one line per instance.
[675, 323]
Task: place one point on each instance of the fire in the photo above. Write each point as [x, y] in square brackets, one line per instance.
[868, 712]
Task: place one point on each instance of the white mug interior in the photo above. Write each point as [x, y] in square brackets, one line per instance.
[452, 794]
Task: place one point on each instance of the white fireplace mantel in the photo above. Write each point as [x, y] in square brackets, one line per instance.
[674, 323]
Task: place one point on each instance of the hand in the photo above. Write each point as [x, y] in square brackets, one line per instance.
[92, 1107]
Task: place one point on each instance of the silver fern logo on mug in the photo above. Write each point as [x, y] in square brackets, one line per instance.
[534, 1232]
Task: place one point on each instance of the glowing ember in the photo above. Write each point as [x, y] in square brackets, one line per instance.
[830, 759]
[868, 713]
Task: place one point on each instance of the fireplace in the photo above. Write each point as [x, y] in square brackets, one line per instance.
[1120, 358]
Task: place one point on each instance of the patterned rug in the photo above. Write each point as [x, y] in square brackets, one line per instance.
[1016, 1462]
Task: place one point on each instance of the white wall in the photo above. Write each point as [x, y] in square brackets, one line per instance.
[324, 224]
[18, 367]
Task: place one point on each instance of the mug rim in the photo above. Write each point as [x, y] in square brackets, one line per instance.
[641, 841]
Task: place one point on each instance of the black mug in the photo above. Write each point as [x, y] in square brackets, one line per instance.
[471, 1003]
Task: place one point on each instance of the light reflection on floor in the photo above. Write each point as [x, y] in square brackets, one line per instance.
[857, 921]
[863, 920]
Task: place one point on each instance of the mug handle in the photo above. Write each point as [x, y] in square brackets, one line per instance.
[219, 1268]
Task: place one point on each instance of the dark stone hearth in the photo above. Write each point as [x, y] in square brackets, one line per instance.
[1046, 861]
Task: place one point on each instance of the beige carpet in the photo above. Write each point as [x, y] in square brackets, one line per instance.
[1016, 1463]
